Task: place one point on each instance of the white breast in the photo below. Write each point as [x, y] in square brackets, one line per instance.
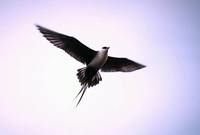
[99, 60]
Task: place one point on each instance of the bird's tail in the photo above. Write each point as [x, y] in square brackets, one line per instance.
[88, 77]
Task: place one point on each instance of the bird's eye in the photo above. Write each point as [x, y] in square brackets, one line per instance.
[104, 47]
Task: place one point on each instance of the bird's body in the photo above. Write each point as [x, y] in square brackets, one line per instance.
[95, 60]
[99, 60]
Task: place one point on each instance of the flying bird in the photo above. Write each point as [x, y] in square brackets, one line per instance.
[89, 75]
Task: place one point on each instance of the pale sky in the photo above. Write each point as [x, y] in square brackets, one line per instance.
[39, 83]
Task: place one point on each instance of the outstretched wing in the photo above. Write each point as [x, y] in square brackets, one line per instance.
[69, 44]
[114, 64]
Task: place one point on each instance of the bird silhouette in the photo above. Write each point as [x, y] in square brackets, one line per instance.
[94, 60]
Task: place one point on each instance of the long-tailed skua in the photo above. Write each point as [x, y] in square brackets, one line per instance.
[94, 60]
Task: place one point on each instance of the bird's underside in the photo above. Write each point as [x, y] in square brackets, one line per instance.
[89, 76]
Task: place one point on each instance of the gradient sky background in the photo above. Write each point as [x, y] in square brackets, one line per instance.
[38, 81]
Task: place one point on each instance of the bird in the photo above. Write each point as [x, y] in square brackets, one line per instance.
[93, 60]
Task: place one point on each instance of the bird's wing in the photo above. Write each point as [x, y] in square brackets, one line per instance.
[114, 64]
[69, 44]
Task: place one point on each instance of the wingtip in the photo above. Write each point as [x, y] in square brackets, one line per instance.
[38, 26]
[142, 66]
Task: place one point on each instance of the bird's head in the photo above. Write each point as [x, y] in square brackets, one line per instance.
[105, 48]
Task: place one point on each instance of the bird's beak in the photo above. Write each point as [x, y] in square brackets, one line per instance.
[108, 47]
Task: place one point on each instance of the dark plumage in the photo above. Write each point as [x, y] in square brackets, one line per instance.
[95, 60]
